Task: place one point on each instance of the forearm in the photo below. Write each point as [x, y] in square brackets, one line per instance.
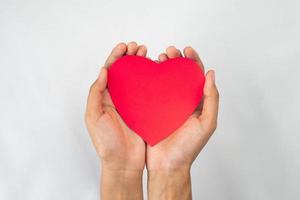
[169, 184]
[121, 184]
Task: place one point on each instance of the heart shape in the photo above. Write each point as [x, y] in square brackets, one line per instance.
[154, 99]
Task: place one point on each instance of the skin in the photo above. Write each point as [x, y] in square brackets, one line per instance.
[169, 162]
[124, 154]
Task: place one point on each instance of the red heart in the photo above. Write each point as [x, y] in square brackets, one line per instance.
[155, 99]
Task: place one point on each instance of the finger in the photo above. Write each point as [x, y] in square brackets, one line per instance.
[189, 52]
[162, 57]
[172, 52]
[94, 108]
[209, 113]
[142, 51]
[132, 48]
[116, 53]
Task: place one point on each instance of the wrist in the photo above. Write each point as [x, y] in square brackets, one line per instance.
[121, 173]
[123, 165]
[121, 184]
[169, 184]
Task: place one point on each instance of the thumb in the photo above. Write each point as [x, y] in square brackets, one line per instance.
[209, 113]
[94, 103]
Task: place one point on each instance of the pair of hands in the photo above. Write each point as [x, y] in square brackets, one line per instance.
[123, 152]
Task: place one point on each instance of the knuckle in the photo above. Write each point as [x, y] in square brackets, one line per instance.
[170, 48]
[212, 92]
[214, 127]
[143, 47]
[216, 93]
[120, 44]
[132, 43]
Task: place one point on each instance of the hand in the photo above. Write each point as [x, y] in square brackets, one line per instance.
[121, 150]
[169, 161]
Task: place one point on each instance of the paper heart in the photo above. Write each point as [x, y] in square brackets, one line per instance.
[155, 99]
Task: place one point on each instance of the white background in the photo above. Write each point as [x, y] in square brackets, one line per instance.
[51, 51]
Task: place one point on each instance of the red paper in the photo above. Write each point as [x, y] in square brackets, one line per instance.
[155, 99]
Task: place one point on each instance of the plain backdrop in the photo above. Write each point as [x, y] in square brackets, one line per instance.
[51, 51]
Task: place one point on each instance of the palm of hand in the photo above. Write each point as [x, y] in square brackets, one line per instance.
[118, 146]
[182, 147]
[115, 142]
[121, 148]
[178, 149]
